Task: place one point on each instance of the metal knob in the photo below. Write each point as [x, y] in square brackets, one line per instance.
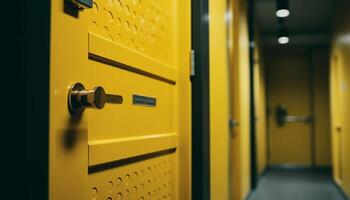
[79, 98]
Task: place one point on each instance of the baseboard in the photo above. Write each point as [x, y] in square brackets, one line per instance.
[341, 191]
[300, 168]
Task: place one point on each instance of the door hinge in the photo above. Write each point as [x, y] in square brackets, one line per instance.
[192, 63]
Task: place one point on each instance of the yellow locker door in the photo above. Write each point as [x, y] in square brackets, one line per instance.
[123, 53]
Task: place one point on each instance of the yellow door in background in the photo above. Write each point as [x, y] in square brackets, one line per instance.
[289, 87]
[115, 75]
[337, 119]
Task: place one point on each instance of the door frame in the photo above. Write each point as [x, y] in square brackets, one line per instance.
[200, 101]
[253, 142]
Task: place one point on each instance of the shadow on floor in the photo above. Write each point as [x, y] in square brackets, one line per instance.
[296, 185]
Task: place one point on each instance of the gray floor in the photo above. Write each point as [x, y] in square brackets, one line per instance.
[296, 185]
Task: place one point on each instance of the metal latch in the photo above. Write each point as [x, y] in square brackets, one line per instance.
[192, 63]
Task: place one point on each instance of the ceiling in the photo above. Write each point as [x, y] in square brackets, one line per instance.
[309, 21]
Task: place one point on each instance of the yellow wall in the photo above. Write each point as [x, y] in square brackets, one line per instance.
[340, 95]
[260, 105]
[219, 109]
[240, 142]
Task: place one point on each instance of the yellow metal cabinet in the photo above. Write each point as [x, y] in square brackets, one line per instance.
[129, 150]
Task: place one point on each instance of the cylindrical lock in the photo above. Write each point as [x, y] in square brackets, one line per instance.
[79, 98]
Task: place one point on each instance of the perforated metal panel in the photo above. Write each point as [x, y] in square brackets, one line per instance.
[138, 34]
[150, 179]
[141, 25]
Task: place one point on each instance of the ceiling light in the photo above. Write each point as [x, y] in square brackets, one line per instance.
[282, 9]
[283, 40]
[283, 36]
[282, 13]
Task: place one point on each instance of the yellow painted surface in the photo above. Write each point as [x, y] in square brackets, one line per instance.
[240, 141]
[340, 96]
[127, 47]
[289, 83]
[320, 73]
[219, 112]
[184, 103]
[299, 79]
[337, 133]
[260, 105]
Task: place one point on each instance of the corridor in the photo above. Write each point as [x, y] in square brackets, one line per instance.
[281, 184]
[179, 100]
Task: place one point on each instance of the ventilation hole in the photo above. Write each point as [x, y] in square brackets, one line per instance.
[110, 16]
[141, 187]
[135, 175]
[126, 193]
[134, 190]
[94, 193]
[134, 15]
[110, 185]
[119, 4]
[127, 26]
[127, 10]
[95, 8]
[127, 179]
[119, 181]
[119, 196]
[94, 26]
[134, 29]
[119, 36]
[106, 30]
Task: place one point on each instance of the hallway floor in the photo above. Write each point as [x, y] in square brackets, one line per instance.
[296, 185]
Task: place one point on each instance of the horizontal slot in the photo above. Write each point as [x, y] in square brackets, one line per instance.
[144, 100]
[117, 55]
[104, 151]
[118, 163]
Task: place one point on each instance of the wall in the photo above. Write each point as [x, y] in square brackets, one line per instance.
[260, 105]
[240, 142]
[340, 96]
[219, 108]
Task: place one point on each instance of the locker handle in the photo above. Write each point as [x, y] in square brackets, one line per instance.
[79, 98]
